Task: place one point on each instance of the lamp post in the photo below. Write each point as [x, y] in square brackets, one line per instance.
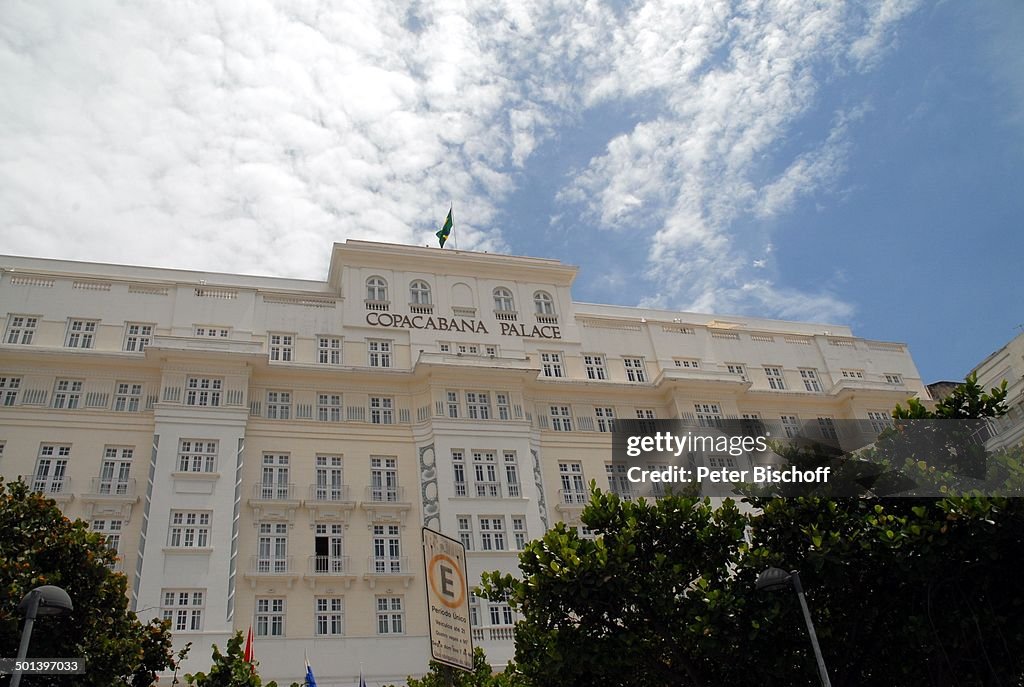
[774, 579]
[45, 600]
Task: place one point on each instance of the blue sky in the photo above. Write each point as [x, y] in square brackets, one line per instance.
[856, 163]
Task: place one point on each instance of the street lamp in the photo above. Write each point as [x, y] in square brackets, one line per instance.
[45, 600]
[774, 579]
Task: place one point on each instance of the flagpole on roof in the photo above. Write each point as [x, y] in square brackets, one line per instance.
[455, 242]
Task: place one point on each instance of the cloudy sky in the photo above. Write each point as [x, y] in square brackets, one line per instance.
[857, 163]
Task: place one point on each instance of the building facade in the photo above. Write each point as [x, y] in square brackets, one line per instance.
[1006, 364]
[265, 451]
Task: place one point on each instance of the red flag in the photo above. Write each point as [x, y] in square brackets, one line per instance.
[249, 656]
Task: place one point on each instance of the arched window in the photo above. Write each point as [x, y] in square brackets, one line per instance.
[543, 303]
[503, 300]
[376, 289]
[419, 293]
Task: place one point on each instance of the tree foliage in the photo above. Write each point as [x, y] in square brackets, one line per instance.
[229, 669]
[39, 546]
[907, 591]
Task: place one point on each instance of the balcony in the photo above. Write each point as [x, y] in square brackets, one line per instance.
[274, 501]
[386, 504]
[111, 497]
[56, 488]
[330, 503]
[421, 309]
[329, 569]
[271, 569]
[494, 634]
[388, 569]
[546, 319]
[506, 315]
[572, 501]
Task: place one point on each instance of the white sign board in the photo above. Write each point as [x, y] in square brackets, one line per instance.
[444, 560]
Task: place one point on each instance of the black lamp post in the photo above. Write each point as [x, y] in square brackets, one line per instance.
[45, 600]
[774, 579]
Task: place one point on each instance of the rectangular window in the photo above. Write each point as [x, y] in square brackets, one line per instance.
[111, 531]
[328, 350]
[708, 414]
[189, 530]
[790, 425]
[853, 374]
[775, 379]
[880, 420]
[737, 369]
[485, 470]
[573, 487]
[459, 469]
[197, 455]
[645, 414]
[390, 617]
[282, 347]
[115, 470]
[827, 427]
[551, 365]
[492, 533]
[329, 545]
[81, 333]
[502, 404]
[379, 352]
[274, 483]
[519, 531]
[21, 329]
[212, 332]
[329, 617]
[183, 608]
[561, 419]
[137, 336]
[330, 481]
[272, 548]
[893, 378]
[687, 363]
[203, 391]
[511, 474]
[269, 617]
[9, 387]
[67, 393]
[635, 370]
[453, 403]
[51, 468]
[618, 483]
[383, 479]
[382, 411]
[810, 377]
[751, 424]
[279, 405]
[594, 365]
[466, 531]
[328, 407]
[478, 405]
[387, 549]
[605, 419]
[128, 397]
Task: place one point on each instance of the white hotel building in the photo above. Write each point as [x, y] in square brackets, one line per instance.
[264, 451]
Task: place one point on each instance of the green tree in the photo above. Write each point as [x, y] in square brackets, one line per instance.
[38, 546]
[229, 669]
[482, 675]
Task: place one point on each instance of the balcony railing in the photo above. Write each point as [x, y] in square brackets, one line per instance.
[547, 319]
[388, 566]
[329, 493]
[273, 491]
[506, 315]
[421, 308]
[494, 634]
[329, 565]
[385, 494]
[259, 565]
[115, 488]
[573, 497]
[48, 484]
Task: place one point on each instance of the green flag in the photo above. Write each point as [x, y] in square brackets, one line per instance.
[446, 230]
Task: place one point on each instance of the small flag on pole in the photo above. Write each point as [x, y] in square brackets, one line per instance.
[445, 231]
[249, 654]
[310, 680]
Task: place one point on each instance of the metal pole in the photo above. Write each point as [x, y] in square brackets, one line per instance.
[34, 597]
[795, 577]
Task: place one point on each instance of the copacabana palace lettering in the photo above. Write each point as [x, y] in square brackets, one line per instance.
[446, 324]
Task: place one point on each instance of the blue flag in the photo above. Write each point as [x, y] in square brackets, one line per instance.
[310, 680]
